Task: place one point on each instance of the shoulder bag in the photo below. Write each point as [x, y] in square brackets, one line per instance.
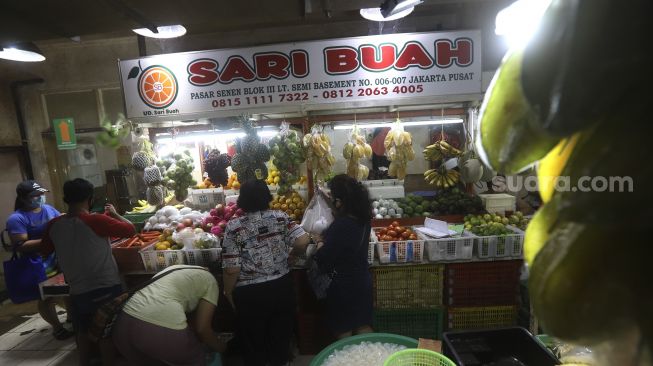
[107, 314]
[320, 281]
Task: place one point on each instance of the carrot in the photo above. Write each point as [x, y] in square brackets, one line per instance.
[130, 242]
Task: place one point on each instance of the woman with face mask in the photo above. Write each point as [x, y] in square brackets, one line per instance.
[26, 226]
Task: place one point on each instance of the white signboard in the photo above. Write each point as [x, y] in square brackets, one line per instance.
[384, 67]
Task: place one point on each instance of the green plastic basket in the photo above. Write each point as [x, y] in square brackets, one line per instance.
[357, 339]
[417, 357]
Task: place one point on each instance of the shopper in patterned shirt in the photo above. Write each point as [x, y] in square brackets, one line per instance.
[257, 280]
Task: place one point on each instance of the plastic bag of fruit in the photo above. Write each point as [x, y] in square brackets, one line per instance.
[318, 215]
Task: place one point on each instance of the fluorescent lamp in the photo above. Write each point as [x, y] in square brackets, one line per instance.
[24, 52]
[168, 31]
[405, 124]
[374, 14]
[210, 137]
[520, 21]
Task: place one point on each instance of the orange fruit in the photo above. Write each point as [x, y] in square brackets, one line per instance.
[297, 212]
[284, 207]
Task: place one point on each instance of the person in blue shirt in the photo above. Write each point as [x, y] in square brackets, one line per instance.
[26, 227]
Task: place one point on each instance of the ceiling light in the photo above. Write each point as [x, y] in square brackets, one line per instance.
[392, 7]
[374, 14]
[168, 31]
[405, 124]
[25, 52]
[520, 20]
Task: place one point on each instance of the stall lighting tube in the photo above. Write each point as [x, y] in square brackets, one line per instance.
[411, 123]
[211, 136]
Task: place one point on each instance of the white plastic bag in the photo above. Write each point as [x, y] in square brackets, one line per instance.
[318, 215]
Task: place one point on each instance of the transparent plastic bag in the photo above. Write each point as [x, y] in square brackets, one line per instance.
[318, 215]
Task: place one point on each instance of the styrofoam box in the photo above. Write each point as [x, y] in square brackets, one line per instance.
[303, 193]
[205, 199]
[499, 202]
[396, 191]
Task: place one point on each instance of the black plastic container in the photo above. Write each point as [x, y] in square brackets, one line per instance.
[497, 347]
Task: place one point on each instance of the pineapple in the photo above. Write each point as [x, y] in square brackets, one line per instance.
[155, 195]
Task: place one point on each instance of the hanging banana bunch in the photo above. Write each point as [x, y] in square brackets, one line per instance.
[442, 177]
[318, 152]
[440, 150]
[357, 148]
[399, 150]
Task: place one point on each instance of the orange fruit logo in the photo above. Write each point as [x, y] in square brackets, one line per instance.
[157, 86]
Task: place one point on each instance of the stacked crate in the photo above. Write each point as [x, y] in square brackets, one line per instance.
[482, 295]
[408, 300]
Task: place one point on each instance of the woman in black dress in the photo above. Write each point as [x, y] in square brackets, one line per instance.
[343, 253]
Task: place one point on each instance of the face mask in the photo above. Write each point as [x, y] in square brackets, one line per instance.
[38, 201]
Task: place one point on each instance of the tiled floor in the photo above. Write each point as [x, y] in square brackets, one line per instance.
[31, 343]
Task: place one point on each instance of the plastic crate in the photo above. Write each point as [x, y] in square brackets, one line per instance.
[482, 283]
[499, 202]
[448, 249]
[414, 323]
[469, 318]
[156, 260]
[510, 245]
[408, 287]
[496, 345]
[400, 251]
[202, 257]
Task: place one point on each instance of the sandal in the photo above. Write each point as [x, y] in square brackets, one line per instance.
[62, 334]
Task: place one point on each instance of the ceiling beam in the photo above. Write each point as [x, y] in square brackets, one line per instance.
[132, 14]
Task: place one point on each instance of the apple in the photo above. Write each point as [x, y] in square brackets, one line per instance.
[213, 212]
[207, 227]
[219, 208]
[198, 231]
[187, 222]
[222, 224]
[180, 227]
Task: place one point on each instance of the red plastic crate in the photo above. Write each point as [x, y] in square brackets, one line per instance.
[482, 283]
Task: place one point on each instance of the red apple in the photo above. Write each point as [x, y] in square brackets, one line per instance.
[180, 227]
[187, 222]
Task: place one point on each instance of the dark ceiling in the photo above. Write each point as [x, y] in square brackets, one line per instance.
[39, 20]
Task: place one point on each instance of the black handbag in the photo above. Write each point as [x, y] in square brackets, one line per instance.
[320, 281]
